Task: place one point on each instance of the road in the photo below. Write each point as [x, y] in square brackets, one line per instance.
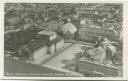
[21, 68]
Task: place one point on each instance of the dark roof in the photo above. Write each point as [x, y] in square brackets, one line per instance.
[33, 45]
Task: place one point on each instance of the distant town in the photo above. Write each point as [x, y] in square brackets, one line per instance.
[63, 39]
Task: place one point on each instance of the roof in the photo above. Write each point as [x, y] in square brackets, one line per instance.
[34, 45]
[28, 26]
[69, 27]
[47, 33]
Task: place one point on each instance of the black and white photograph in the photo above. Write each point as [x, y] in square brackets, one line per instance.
[63, 40]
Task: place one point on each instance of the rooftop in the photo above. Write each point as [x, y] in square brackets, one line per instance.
[33, 45]
[68, 27]
[47, 33]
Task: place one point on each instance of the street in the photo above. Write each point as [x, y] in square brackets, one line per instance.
[20, 68]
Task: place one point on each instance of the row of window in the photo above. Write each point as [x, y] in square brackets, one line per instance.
[97, 70]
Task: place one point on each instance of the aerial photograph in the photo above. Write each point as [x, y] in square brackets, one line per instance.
[63, 39]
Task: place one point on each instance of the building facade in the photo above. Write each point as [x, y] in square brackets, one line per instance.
[46, 44]
[59, 44]
[89, 34]
[97, 70]
[33, 50]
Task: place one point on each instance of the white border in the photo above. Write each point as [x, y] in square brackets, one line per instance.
[125, 40]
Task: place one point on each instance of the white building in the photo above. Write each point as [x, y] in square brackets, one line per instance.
[33, 50]
[48, 35]
[68, 31]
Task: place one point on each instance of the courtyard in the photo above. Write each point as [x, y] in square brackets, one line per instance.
[67, 56]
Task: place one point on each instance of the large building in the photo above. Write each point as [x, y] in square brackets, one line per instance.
[46, 43]
[96, 69]
[33, 50]
[89, 34]
[98, 62]
[54, 42]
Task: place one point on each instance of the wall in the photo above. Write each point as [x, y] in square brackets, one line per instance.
[40, 52]
[51, 48]
[52, 37]
[59, 44]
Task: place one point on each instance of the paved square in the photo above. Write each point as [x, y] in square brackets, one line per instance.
[68, 54]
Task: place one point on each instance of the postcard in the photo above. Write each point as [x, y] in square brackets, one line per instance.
[64, 39]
